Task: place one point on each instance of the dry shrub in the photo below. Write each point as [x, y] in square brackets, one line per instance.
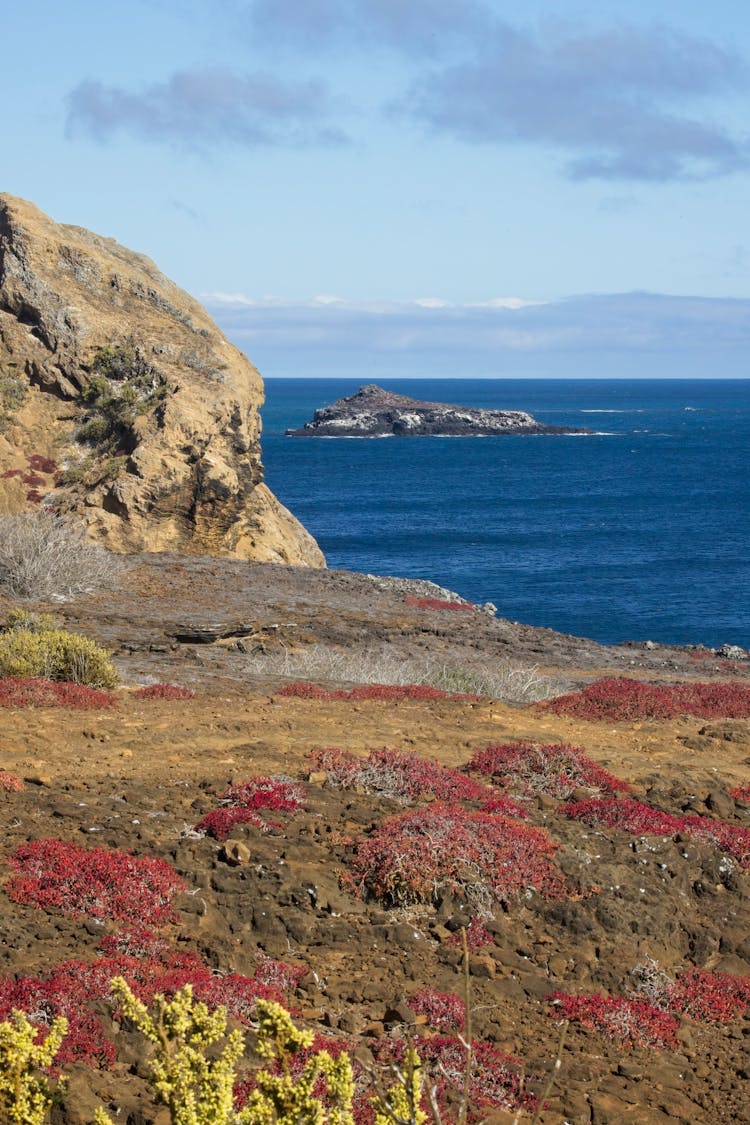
[45, 556]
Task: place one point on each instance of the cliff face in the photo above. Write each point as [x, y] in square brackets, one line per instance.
[123, 403]
[374, 412]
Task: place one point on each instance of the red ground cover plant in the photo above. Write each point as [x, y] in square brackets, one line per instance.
[640, 819]
[444, 1011]
[556, 769]
[632, 1023]
[418, 855]
[75, 988]
[10, 473]
[163, 691]
[477, 936]
[741, 793]
[494, 1080]
[19, 691]
[243, 801]
[389, 693]
[96, 883]
[617, 700]
[394, 773]
[710, 997]
[438, 603]
[10, 782]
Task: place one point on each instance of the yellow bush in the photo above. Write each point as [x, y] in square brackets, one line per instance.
[55, 655]
[25, 1095]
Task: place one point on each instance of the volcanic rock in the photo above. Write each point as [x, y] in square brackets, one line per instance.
[374, 412]
[121, 402]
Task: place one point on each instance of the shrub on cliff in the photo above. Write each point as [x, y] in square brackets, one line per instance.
[45, 556]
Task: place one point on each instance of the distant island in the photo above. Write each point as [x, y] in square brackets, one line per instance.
[374, 412]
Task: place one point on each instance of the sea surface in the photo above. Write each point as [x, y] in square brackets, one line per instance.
[639, 531]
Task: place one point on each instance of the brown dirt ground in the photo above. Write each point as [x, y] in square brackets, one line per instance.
[134, 777]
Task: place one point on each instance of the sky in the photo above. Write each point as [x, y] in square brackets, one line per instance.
[409, 187]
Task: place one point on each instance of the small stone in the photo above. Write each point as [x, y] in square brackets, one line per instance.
[235, 853]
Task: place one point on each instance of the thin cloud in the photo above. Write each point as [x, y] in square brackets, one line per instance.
[626, 334]
[422, 27]
[199, 109]
[607, 100]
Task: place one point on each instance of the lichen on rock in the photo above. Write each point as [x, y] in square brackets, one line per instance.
[123, 403]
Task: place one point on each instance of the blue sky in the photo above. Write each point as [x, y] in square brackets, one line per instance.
[448, 187]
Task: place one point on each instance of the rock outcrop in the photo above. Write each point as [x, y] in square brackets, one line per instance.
[374, 412]
[121, 402]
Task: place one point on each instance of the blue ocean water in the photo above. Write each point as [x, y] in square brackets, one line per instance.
[639, 531]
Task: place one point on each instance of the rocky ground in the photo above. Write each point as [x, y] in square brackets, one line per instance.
[136, 775]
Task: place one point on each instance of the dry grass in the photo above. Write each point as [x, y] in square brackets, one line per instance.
[321, 664]
[44, 556]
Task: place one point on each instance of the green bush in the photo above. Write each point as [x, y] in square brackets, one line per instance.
[122, 384]
[13, 391]
[54, 654]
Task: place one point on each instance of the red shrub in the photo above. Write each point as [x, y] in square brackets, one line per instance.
[278, 974]
[10, 782]
[32, 479]
[34, 496]
[243, 800]
[477, 936]
[98, 883]
[638, 819]
[741, 793]
[729, 838]
[444, 1010]
[494, 1081]
[630, 815]
[9, 473]
[710, 997]
[163, 691]
[392, 693]
[220, 822]
[556, 770]
[417, 855]
[500, 804]
[393, 773]
[438, 603]
[633, 1023]
[72, 987]
[17, 691]
[616, 700]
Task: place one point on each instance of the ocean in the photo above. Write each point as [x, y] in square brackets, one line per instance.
[638, 531]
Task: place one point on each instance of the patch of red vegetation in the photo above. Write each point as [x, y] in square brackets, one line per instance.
[32, 479]
[10, 473]
[741, 793]
[444, 1011]
[494, 1081]
[21, 691]
[556, 770]
[393, 773]
[421, 854]
[163, 691]
[245, 799]
[10, 782]
[34, 496]
[99, 883]
[640, 819]
[439, 603]
[41, 464]
[710, 997]
[477, 936]
[390, 693]
[620, 700]
[630, 1022]
[75, 988]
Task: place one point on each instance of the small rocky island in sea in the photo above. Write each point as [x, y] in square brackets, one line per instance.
[374, 412]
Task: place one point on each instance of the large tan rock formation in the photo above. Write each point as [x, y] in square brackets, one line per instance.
[122, 402]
